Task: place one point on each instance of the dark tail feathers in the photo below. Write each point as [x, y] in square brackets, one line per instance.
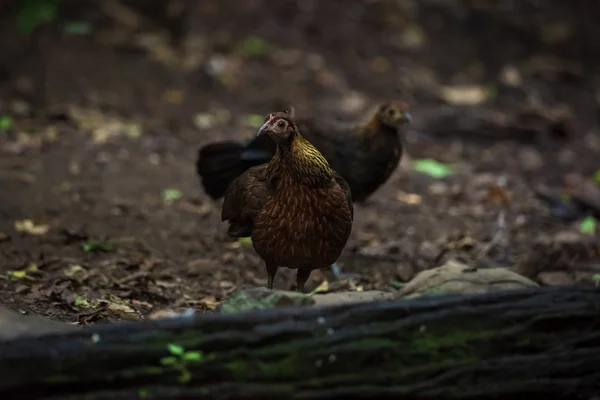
[218, 165]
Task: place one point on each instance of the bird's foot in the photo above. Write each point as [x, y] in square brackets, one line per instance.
[339, 275]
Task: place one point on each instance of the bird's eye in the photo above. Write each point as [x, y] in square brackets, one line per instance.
[391, 111]
[281, 124]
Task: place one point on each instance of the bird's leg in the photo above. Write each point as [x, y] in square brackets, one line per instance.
[301, 278]
[271, 271]
[335, 269]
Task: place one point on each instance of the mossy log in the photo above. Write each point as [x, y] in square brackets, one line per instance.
[513, 345]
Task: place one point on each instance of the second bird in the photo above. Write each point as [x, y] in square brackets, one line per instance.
[365, 152]
[296, 208]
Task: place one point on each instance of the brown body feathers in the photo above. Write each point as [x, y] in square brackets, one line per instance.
[297, 210]
[365, 153]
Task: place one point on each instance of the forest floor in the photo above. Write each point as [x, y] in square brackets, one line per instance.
[102, 216]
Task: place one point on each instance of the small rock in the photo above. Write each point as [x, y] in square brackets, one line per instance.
[20, 107]
[251, 299]
[464, 94]
[329, 299]
[530, 159]
[554, 278]
[457, 278]
[405, 272]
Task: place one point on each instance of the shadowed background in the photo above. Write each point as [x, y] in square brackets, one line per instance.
[103, 109]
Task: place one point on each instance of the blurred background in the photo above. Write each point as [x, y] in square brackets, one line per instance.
[104, 104]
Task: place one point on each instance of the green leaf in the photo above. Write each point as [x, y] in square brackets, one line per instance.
[175, 349]
[185, 376]
[77, 28]
[18, 274]
[255, 120]
[192, 356]
[172, 194]
[253, 46]
[6, 122]
[596, 279]
[168, 360]
[97, 245]
[82, 302]
[432, 168]
[33, 13]
[597, 177]
[588, 225]
[245, 240]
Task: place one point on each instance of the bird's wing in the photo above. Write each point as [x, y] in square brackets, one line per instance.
[246, 195]
[259, 150]
[346, 189]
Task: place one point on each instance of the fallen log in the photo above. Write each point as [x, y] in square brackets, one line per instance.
[505, 345]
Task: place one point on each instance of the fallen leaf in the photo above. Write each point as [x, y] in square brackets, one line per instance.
[413, 37]
[432, 168]
[18, 274]
[588, 225]
[322, 288]
[97, 245]
[120, 307]
[170, 195]
[408, 198]
[173, 96]
[29, 226]
[209, 302]
[22, 273]
[82, 302]
[245, 240]
[204, 120]
[597, 177]
[497, 195]
[6, 123]
[76, 272]
[253, 46]
[465, 95]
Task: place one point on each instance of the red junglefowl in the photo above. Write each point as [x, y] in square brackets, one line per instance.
[297, 210]
[365, 152]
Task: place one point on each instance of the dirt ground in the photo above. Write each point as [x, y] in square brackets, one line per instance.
[100, 171]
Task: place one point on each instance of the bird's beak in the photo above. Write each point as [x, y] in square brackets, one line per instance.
[407, 117]
[262, 129]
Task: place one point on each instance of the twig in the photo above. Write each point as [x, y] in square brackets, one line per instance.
[19, 176]
[122, 13]
[501, 224]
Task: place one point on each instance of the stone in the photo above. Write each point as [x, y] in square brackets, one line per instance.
[555, 278]
[457, 278]
[337, 298]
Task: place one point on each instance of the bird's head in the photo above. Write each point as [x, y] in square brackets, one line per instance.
[280, 127]
[393, 114]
